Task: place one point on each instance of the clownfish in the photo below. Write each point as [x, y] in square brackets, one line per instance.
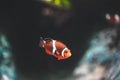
[55, 48]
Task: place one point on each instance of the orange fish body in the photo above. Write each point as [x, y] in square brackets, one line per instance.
[55, 48]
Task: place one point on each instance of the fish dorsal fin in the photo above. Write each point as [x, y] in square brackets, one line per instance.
[46, 39]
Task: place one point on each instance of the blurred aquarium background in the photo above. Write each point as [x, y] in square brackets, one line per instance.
[91, 29]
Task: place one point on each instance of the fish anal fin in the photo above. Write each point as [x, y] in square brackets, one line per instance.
[59, 59]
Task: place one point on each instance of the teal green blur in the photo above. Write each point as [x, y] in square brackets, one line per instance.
[7, 67]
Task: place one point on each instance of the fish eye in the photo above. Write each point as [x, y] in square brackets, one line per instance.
[65, 51]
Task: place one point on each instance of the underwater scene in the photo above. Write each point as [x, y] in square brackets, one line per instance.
[59, 40]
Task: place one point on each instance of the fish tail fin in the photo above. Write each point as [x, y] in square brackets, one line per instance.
[42, 41]
[41, 38]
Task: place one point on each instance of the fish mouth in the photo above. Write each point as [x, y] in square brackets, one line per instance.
[69, 55]
[65, 57]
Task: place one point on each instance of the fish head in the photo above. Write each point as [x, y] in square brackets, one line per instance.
[67, 54]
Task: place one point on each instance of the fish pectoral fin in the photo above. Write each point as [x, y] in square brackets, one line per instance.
[57, 53]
